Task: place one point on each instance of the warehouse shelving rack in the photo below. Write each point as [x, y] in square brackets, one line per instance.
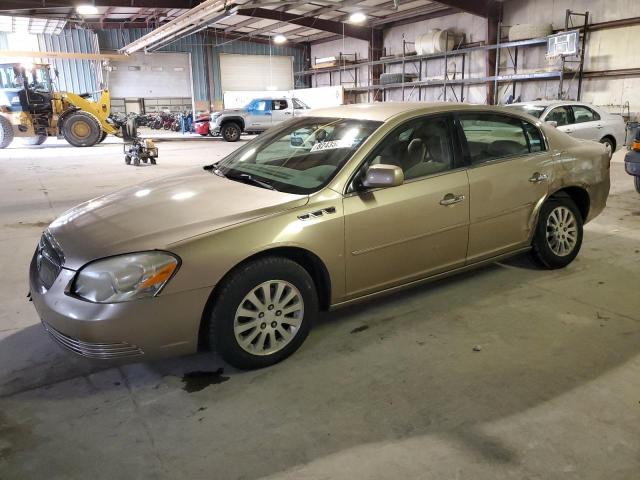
[449, 81]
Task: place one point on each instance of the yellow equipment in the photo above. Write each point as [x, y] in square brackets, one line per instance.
[30, 108]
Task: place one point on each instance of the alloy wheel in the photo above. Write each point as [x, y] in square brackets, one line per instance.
[562, 231]
[269, 317]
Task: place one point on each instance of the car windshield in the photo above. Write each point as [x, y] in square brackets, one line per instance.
[299, 104]
[300, 156]
[535, 110]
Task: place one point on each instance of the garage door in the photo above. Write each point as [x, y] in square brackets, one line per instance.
[256, 72]
[153, 75]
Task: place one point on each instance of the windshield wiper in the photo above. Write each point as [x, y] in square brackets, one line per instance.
[246, 178]
[213, 168]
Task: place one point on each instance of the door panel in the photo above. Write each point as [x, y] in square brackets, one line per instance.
[503, 197]
[584, 125]
[280, 111]
[259, 115]
[398, 234]
[509, 174]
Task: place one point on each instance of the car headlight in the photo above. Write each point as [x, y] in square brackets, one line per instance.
[125, 277]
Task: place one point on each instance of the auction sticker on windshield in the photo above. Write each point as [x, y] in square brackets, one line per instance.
[330, 145]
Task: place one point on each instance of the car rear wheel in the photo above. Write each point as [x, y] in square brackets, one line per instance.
[263, 312]
[636, 182]
[609, 145]
[558, 235]
[231, 132]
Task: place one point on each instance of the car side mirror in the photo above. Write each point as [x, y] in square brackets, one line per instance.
[296, 141]
[553, 123]
[383, 176]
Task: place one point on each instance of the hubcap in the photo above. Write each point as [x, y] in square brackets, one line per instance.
[268, 317]
[562, 231]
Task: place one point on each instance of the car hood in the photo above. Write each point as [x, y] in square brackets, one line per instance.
[156, 214]
[233, 111]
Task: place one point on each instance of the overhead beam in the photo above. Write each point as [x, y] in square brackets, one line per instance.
[46, 4]
[311, 13]
[63, 55]
[481, 8]
[353, 31]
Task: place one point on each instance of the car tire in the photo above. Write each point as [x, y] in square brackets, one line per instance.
[636, 183]
[103, 135]
[263, 336]
[127, 159]
[37, 140]
[81, 129]
[609, 144]
[558, 235]
[231, 132]
[6, 132]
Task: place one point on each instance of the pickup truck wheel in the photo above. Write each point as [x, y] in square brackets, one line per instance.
[608, 144]
[636, 182]
[263, 312]
[558, 235]
[231, 132]
[6, 132]
[81, 129]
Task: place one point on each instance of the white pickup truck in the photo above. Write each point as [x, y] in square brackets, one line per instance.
[259, 115]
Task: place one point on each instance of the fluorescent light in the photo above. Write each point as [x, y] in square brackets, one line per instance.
[357, 17]
[87, 10]
[279, 38]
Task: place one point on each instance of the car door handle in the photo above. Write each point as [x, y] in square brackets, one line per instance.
[450, 199]
[568, 130]
[599, 126]
[287, 113]
[539, 177]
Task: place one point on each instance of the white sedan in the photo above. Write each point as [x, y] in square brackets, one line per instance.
[580, 120]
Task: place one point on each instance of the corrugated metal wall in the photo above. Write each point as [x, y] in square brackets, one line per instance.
[114, 39]
[77, 76]
[198, 45]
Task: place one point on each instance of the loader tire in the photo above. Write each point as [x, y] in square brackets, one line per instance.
[6, 132]
[81, 129]
[37, 140]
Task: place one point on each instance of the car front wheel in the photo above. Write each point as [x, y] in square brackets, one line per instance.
[231, 132]
[558, 234]
[263, 312]
[636, 182]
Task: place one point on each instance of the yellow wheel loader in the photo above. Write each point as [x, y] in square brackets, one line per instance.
[31, 109]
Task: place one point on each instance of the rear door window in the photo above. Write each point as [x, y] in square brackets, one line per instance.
[583, 114]
[494, 136]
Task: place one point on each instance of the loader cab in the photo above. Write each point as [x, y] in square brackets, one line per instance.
[26, 88]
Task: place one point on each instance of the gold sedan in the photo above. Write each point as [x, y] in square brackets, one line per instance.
[330, 208]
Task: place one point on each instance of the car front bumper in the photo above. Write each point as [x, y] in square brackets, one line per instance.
[162, 326]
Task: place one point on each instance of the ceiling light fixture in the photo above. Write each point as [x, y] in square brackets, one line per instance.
[279, 38]
[357, 17]
[87, 10]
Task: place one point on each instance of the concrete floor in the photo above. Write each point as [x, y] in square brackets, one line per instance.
[388, 389]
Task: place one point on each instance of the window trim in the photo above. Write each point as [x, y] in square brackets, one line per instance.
[457, 157]
[465, 146]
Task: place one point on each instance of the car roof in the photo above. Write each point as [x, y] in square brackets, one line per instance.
[382, 112]
[549, 103]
